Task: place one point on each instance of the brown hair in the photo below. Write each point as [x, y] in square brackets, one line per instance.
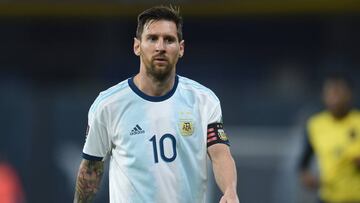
[156, 13]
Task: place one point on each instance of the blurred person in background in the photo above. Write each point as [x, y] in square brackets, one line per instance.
[157, 127]
[333, 135]
[11, 190]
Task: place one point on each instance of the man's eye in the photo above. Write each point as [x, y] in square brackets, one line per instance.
[152, 38]
[169, 40]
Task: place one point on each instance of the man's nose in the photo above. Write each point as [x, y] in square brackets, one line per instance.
[160, 45]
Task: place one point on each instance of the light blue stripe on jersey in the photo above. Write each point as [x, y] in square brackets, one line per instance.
[196, 85]
[107, 93]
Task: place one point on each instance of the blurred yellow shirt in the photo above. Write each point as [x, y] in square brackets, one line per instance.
[336, 143]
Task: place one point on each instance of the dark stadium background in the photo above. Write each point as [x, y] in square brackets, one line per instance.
[265, 61]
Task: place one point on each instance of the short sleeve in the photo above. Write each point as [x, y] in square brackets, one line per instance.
[216, 114]
[98, 142]
[215, 129]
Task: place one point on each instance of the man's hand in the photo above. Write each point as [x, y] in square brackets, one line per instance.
[309, 180]
[230, 196]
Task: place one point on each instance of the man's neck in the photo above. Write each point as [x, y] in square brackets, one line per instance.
[153, 87]
[341, 114]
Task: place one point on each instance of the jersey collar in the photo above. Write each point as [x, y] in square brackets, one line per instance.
[153, 98]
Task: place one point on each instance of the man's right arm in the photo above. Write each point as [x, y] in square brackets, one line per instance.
[306, 177]
[88, 180]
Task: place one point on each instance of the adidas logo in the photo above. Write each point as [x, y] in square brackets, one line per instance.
[137, 130]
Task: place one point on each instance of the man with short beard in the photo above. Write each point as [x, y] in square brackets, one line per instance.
[157, 127]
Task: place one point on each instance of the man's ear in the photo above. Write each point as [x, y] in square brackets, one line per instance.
[136, 46]
[182, 48]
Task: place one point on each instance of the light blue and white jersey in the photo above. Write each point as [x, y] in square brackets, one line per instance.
[157, 145]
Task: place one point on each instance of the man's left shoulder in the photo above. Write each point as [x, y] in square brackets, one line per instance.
[355, 114]
[196, 87]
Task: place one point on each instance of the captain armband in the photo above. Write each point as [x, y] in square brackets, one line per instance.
[216, 134]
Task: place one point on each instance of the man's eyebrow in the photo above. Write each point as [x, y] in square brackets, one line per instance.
[170, 36]
[151, 35]
[157, 35]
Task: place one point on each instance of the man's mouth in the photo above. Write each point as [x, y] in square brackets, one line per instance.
[160, 59]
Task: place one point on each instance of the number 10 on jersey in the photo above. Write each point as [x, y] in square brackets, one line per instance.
[164, 157]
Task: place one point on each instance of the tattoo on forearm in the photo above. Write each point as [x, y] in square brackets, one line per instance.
[88, 180]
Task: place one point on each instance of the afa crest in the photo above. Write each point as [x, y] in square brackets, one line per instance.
[222, 135]
[186, 127]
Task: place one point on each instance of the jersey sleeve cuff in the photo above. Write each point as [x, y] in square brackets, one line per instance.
[91, 158]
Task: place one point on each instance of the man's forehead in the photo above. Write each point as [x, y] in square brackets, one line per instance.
[160, 26]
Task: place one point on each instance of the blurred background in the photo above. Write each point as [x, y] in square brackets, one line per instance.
[264, 59]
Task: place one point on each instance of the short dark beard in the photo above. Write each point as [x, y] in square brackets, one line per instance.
[157, 75]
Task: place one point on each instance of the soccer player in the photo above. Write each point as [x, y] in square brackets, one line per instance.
[334, 136]
[157, 127]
